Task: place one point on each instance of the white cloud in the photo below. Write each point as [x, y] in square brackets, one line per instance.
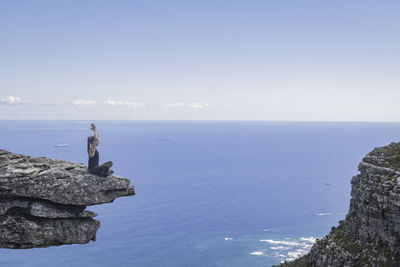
[80, 102]
[119, 103]
[195, 105]
[52, 103]
[11, 100]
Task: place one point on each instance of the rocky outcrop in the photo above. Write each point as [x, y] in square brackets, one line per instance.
[370, 234]
[43, 201]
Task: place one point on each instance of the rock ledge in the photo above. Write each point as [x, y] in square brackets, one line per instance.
[43, 201]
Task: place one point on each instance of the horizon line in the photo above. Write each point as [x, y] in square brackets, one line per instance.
[200, 120]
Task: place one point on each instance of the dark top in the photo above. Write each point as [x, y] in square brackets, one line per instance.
[94, 161]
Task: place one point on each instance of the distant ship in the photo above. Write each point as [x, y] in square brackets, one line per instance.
[61, 145]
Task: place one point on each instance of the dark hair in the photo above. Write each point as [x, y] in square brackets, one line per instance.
[90, 141]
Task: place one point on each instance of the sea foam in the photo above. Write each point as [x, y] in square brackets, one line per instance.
[323, 214]
[289, 249]
[257, 253]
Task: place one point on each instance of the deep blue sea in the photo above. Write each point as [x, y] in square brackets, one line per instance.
[207, 193]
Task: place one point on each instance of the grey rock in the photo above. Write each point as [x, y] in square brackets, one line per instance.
[19, 231]
[58, 181]
[370, 234]
[43, 201]
[47, 210]
[7, 204]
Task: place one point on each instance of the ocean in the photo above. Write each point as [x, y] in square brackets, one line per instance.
[207, 193]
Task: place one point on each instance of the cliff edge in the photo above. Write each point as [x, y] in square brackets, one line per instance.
[370, 234]
[43, 201]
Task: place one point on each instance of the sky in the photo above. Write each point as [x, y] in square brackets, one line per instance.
[200, 60]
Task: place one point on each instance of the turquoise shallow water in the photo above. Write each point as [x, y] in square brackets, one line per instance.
[208, 193]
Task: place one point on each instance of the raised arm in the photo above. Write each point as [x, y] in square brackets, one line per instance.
[96, 134]
[96, 140]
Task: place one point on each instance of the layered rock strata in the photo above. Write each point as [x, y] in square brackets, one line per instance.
[43, 201]
[370, 234]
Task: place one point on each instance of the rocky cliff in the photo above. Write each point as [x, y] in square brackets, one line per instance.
[370, 234]
[43, 201]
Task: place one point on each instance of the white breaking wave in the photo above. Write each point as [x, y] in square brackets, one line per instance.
[289, 249]
[257, 253]
[292, 255]
[277, 242]
[279, 248]
[308, 239]
[323, 214]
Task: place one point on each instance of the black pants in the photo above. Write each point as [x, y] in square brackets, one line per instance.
[101, 170]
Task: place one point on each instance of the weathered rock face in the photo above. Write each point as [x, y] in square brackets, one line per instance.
[370, 234]
[43, 201]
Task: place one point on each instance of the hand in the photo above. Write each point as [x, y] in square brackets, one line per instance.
[93, 126]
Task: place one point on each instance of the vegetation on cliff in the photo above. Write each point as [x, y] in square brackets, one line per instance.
[370, 233]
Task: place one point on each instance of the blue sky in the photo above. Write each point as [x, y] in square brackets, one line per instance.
[200, 60]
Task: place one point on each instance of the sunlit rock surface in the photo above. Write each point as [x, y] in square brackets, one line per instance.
[43, 201]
